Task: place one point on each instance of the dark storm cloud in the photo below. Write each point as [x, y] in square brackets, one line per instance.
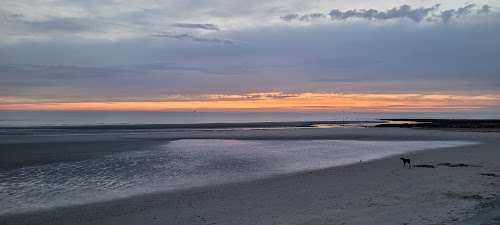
[196, 26]
[191, 37]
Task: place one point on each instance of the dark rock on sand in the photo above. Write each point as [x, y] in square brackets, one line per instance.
[454, 164]
[425, 166]
[489, 174]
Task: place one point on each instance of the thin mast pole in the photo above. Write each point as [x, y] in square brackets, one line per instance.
[343, 122]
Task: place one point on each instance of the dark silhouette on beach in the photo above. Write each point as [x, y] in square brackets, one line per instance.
[406, 161]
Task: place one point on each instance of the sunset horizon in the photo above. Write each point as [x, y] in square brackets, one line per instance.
[366, 112]
[280, 102]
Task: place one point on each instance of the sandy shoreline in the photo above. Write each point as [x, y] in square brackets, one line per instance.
[375, 192]
[396, 134]
[192, 125]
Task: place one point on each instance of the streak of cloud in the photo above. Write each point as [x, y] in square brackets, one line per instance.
[344, 63]
[206, 26]
[191, 37]
[305, 17]
[50, 24]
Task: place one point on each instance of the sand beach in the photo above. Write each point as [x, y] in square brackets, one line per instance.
[454, 185]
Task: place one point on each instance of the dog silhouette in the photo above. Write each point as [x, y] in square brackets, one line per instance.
[405, 161]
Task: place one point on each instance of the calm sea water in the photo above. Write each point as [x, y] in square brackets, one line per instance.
[143, 169]
[58, 118]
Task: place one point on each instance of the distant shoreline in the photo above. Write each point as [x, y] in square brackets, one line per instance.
[443, 123]
[401, 123]
[102, 120]
[460, 125]
[194, 125]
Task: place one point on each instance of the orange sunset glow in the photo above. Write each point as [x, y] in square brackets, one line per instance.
[276, 101]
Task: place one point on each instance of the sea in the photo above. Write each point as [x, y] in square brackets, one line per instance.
[42, 176]
[62, 118]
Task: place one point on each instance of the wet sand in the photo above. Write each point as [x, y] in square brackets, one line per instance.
[374, 192]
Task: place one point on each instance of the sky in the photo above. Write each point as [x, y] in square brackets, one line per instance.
[272, 55]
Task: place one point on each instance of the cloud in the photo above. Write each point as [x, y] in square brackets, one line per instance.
[417, 15]
[399, 56]
[59, 71]
[64, 24]
[443, 55]
[242, 68]
[447, 14]
[68, 71]
[343, 62]
[78, 71]
[460, 12]
[312, 16]
[49, 24]
[290, 17]
[305, 17]
[117, 78]
[196, 26]
[335, 80]
[404, 11]
[161, 66]
[197, 39]
[485, 9]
